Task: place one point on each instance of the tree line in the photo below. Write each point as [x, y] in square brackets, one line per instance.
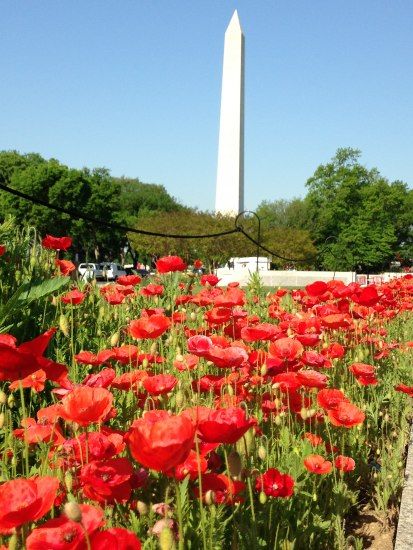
[352, 217]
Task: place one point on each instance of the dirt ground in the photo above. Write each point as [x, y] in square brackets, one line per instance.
[377, 533]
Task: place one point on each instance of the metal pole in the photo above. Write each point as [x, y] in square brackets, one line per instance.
[258, 232]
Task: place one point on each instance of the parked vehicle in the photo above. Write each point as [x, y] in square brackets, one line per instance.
[130, 270]
[89, 271]
[111, 271]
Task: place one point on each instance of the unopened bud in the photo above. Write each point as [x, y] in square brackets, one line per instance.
[166, 539]
[277, 420]
[153, 348]
[179, 398]
[304, 413]
[3, 398]
[209, 497]
[72, 511]
[2, 419]
[64, 325]
[13, 542]
[114, 339]
[193, 316]
[142, 507]
[10, 401]
[263, 497]
[262, 452]
[234, 464]
[68, 482]
[263, 370]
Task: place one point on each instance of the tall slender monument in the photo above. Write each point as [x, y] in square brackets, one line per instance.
[230, 174]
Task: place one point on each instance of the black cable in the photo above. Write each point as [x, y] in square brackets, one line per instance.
[110, 225]
[301, 260]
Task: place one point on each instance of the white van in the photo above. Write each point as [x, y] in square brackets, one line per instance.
[111, 271]
[89, 271]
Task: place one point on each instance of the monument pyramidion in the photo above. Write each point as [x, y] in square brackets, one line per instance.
[230, 174]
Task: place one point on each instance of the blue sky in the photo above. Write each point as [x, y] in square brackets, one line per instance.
[135, 86]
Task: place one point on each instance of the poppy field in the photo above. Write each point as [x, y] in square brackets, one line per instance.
[175, 414]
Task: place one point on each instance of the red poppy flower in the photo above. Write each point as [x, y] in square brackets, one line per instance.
[186, 362]
[316, 464]
[192, 466]
[330, 398]
[159, 384]
[336, 320]
[232, 297]
[93, 446]
[65, 266]
[62, 533]
[2, 249]
[287, 381]
[260, 332]
[404, 389]
[312, 378]
[25, 500]
[152, 290]
[116, 538]
[275, 484]
[107, 480]
[287, 349]
[127, 280]
[74, 297]
[211, 280]
[161, 441]
[56, 243]
[114, 298]
[313, 439]
[33, 433]
[89, 358]
[102, 379]
[149, 327]
[226, 491]
[367, 297]
[85, 405]
[344, 463]
[199, 345]
[346, 415]
[168, 264]
[218, 315]
[224, 425]
[317, 289]
[312, 358]
[36, 381]
[227, 357]
[364, 373]
[129, 380]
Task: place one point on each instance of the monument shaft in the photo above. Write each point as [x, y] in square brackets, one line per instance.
[230, 174]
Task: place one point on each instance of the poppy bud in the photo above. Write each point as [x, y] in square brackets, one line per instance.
[263, 370]
[72, 511]
[311, 413]
[262, 452]
[277, 420]
[315, 497]
[54, 301]
[179, 357]
[10, 401]
[166, 539]
[153, 348]
[17, 276]
[263, 498]
[145, 363]
[13, 542]
[2, 418]
[209, 497]
[64, 325]
[3, 398]
[114, 339]
[230, 389]
[234, 464]
[179, 398]
[304, 413]
[13, 461]
[68, 481]
[142, 508]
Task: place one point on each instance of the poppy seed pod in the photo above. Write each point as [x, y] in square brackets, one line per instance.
[64, 325]
[3, 398]
[114, 339]
[262, 452]
[73, 512]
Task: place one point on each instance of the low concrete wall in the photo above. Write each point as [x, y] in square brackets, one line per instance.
[404, 535]
[283, 278]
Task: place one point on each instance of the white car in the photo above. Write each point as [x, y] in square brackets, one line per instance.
[89, 271]
[111, 271]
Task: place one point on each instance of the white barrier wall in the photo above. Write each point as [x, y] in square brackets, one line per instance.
[283, 278]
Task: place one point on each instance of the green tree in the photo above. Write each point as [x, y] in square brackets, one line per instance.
[364, 217]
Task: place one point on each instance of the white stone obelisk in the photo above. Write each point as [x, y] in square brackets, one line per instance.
[230, 174]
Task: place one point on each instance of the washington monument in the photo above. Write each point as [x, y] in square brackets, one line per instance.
[230, 174]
